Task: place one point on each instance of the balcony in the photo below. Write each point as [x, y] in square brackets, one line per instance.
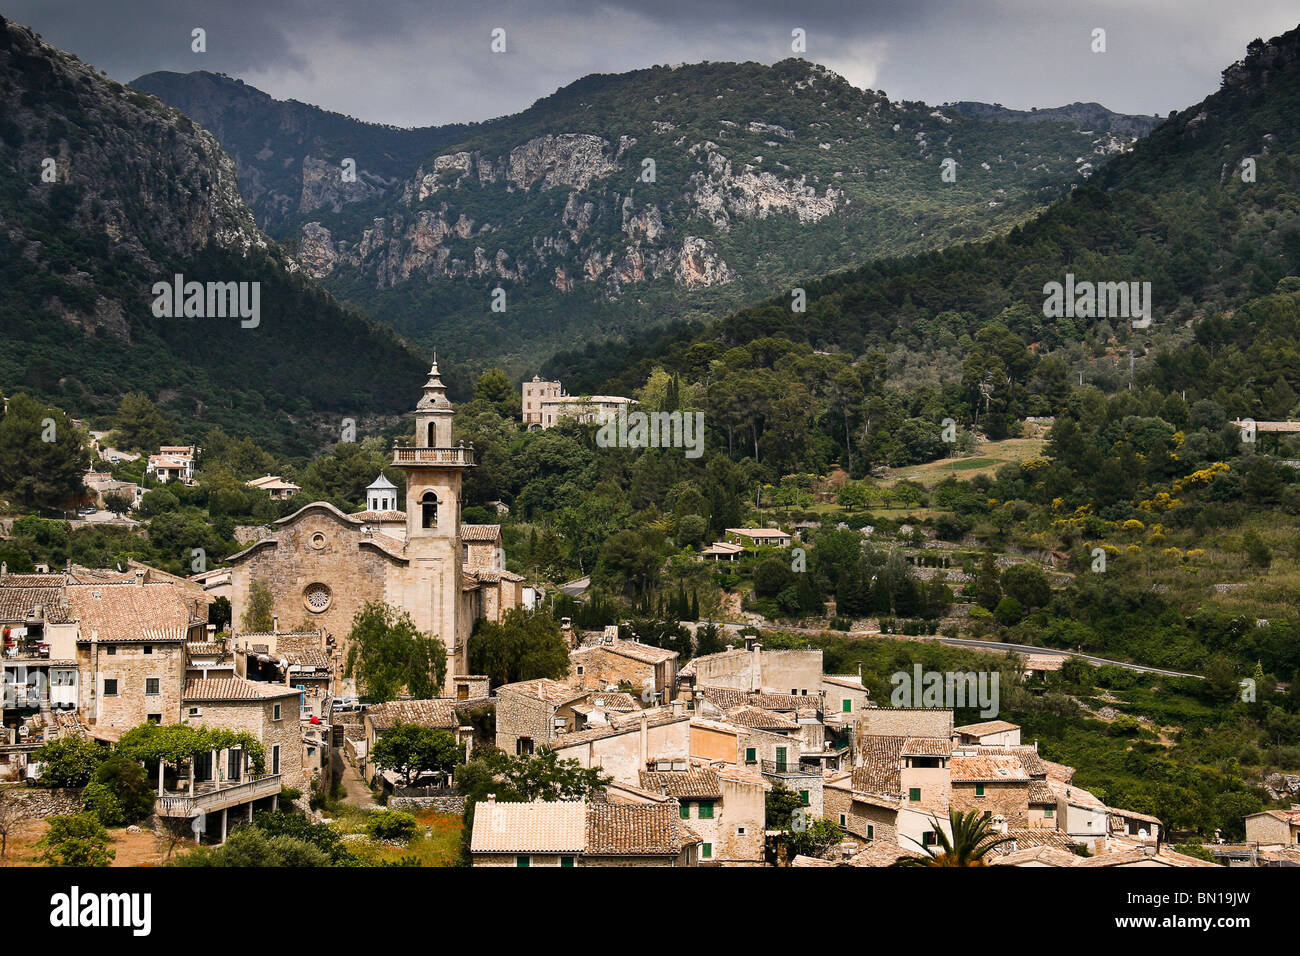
[15, 697]
[217, 795]
[460, 455]
[27, 651]
[785, 768]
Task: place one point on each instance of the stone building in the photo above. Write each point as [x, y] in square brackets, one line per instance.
[532, 713]
[724, 806]
[995, 785]
[578, 833]
[267, 711]
[608, 664]
[324, 565]
[533, 393]
[752, 668]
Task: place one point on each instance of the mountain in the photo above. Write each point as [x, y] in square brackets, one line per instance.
[625, 201]
[1085, 116]
[105, 191]
[1206, 208]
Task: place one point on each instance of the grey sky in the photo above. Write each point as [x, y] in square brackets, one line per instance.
[418, 63]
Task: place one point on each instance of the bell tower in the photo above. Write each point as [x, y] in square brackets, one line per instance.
[434, 468]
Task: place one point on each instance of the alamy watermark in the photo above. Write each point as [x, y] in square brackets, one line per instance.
[208, 300]
[1098, 300]
[946, 690]
[654, 430]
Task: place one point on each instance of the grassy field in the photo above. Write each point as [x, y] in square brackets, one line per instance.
[989, 458]
[436, 841]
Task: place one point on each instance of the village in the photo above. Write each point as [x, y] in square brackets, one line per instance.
[746, 756]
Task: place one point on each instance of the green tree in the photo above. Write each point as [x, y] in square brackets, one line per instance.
[42, 461]
[69, 761]
[973, 837]
[76, 840]
[388, 654]
[250, 846]
[139, 425]
[119, 792]
[525, 645]
[258, 616]
[411, 749]
[1027, 584]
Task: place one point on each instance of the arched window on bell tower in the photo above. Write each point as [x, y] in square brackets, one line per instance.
[428, 510]
[432, 437]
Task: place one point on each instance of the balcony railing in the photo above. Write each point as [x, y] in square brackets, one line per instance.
[13, 698]
[460, 455]
[217, 796]
[786, 767]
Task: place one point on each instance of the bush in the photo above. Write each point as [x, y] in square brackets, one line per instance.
[390, 825]
[249, 846]
[77, 840]
[69, 761]
[119, 793]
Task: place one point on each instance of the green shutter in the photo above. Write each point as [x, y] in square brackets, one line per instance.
[780, 758]
[707, 851]
[803, 797]
[706, 811]
[686, 810]
[847, 706]
[979, 789]
[914, 794]
[521, 861]
[871, 832]
[751, 755]
[566, 861]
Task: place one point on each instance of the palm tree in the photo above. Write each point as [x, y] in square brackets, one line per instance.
[973, 837]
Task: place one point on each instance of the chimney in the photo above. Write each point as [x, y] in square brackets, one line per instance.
[756, 667]
[4, 568]
[679, 707]
[645, 739]
[275, 624]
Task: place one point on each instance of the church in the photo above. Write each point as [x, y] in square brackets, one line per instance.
[322, 565]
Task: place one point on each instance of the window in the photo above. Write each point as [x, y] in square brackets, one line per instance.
[110, 651]
[428, 510]
[148, 649]
[751, 755]
[706, 851]
[927, 838]
[521, 861]
[524, 745]
[275, 759]
[195, 711]
[153, 718]
[151, 686]
[581, 669]
[979, 789]
[803, 797]
[316, 597]
[110, 687]
[566, 861]
[844, 820]
[706, 811]
[685, 811]
[462, 690]
[871, 831]
[740, 831]
[846, 706]
[780, 758]
[234, 764]
[1049, 812]
[275, 711]
[914, 794]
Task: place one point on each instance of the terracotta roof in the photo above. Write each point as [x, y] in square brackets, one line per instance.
[1035, 836]
[927, 747]
[1028, 754]
[544, 689]
[538, 827]
[1040, 794]
[851, 681]
[881, 758]
[492, 576]
[233, 688]
[987, 727]
[635, 830]
[608, 700]
[1165, 857]
[124, 612]
[1145, 817]
[479, 532]
[620, 724]
[33, 580]
[380, 515]
[987, 768]
[760, 718]
[1044, 855]
[683, 784]
[631, 649]
[726, 698]
[17, 602]
[438, 712]
[205, 649]
[1057, 771]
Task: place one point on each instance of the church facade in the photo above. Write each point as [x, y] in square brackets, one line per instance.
[321, 565]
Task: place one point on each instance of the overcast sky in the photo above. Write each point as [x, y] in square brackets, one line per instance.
[415, 63]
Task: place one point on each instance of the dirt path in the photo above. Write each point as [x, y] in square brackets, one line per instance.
[357, 793]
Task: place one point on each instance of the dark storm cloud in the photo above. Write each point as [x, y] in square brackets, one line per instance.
[411, 62]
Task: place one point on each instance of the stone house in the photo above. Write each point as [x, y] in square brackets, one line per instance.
[752, 668]
[995, 785]
[844, 697]
[725, 806]
[626, 747]
[610, 664]
[532, 713]
[267, 711]
[438, 713]
[578, 833]
[1274, 827]
[994, 733]
[306, 661]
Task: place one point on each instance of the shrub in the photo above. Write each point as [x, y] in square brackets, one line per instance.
[69, 761]
[119, 792]
[391, 825]
[77, 840]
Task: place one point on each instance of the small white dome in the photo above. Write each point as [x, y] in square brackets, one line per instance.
[381, 484]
